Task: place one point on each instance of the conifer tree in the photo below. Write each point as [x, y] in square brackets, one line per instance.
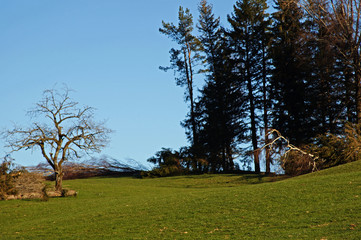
[289, 73]
[324, 88]
[221, 104]
[265, 39]
[183, 61]
[246, 34]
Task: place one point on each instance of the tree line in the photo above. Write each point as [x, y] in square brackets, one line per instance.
[295, 68]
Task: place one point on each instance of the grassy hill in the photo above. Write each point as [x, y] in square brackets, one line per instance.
[322, 205]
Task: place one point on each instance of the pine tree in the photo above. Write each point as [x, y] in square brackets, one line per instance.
[346, 38]
[324, 88]
[220, 102]
[290, 72]
[247, 36]
[183, 61]
[266, 102]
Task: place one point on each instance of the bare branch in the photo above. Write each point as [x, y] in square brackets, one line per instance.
[65, 131]
[279, 138]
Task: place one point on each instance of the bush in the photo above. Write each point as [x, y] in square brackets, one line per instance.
[164, 171]
[30, 186]
[296, 163]
[17, 183]
[170, 163]
[7, 179]
[339, 149]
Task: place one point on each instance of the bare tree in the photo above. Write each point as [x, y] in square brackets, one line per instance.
[286, 148]
[66, 130]
[342, 20]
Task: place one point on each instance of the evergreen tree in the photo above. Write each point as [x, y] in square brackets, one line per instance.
[183, 61]
[346, 37]
[266, 71]
[247, 21]
[290, 72]
[221, 105]
[324, 88]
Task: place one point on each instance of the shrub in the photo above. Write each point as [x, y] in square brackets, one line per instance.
[7, 178]
[339, 149]
[170, 163]
[17, 183]
[30, 186]
[296, 163]
[164, 171]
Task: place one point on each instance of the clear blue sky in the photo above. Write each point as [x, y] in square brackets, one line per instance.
[109, 52]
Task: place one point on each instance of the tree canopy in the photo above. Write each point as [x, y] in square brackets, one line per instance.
[295, 68]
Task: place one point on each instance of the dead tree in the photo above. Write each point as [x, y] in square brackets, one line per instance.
[65, 130]
[287, 146]
[342, 20]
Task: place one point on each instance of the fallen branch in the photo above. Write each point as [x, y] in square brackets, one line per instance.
[290, 147]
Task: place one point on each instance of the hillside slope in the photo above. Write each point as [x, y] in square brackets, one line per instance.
[322, 205]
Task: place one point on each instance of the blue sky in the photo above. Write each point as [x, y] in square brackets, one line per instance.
[109, 52]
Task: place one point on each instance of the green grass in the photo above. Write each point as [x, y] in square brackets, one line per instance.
[322, 205]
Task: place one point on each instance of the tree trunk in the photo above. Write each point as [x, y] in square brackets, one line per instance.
[229, 157]
[189, 77]
[257, 168]
[358, 99]
[58, 179]
[265, 108]
[254, 130]
[358, 92]
[348, 97]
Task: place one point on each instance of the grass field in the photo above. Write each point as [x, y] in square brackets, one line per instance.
[322, 205]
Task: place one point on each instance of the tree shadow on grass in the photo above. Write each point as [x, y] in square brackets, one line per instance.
[261, 178]
[221, 180]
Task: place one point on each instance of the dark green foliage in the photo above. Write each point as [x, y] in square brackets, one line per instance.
[336, 34]
[248, 23]
[343, 40]
[324, 88]
[289, 75]
[183, 61]
[169, 163]
[165, 157]
[221, 102]
[297, 71]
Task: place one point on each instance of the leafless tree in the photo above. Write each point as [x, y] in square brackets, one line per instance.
[65, 131]
[342, 19]
[279, 140]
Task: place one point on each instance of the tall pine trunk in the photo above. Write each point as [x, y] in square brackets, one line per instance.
[358, 98]
[358, 87]
[189, 76]
[253, 120]
[265, 109]
[254, 134]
